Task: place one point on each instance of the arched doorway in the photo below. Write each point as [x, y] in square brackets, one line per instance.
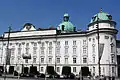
[26, 70]
[85, 71]
[11, 69]
[33, 69]
[66, 70]
[50, 70]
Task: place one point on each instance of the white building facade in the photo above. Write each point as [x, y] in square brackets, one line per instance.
[62, 47]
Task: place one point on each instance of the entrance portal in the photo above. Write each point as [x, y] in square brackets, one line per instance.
[26, 70]
[50, 70]
[11, 69]
[66, 70]
[33, 69]
[85, 71]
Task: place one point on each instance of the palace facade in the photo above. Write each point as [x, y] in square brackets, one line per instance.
[31, 49]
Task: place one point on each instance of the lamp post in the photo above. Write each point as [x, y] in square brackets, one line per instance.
[7, 53]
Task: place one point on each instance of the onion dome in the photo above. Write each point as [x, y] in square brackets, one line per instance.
[66, 25]
[101, 16]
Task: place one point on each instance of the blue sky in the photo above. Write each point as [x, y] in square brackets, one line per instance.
[46, 13]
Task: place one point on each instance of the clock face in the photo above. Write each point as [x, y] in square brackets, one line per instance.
[28, 27]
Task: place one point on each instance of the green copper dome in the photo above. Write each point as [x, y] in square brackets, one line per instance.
[101, 16]
[66, 25]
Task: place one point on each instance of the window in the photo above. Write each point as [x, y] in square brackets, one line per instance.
[93, 59]
[84, 60]
[12, 51]
[58, 50]
[84, 50]
[84, 42]
[93, 70]
[74, 50]
[74, 60]
[66, 42]
[106, 37]
[58, 60]
[112, 48]
[42, 60]
[50, 60]
[34, 60]
[50, 44]
[93, 48]
[42, 69]
[89, 39]
[58, 69]
[19, 51]
[42, 50]
[66, 60]
[113, 69]
[58, 43]
[66, 50]
[26, 60]
[74, 43]
[112, 58]
[74, 69]
[50, 50]
[42, 44]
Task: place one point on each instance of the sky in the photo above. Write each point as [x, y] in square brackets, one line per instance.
[46, 13]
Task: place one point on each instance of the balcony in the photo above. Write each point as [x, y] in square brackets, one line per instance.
[26, 56]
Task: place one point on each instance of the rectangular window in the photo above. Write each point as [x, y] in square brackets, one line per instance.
[66, 60]
[93, 70]
[42, 50]
[58, 69]
[42, 60]
[50, 44]
[84, 42]
[112, 48]
[66, 50]
[58, 43]
[34, 60]
[66, 42]
[93, 48]
[26, 60]
[93, 59]
[50, 50]
[19, 51]
[74, 50]
[74, 69]
[58, 60]
[74, 60]
[112, 58]
[74, 43]
[50, 60]
[84, 50]
[113, 69]
[84, 60]
[42, 69]
[58, 50]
